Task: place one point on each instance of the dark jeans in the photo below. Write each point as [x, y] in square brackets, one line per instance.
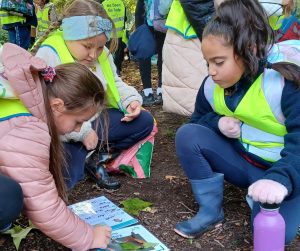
[145, 65]
[119, 55]
[11, 200]
[121, 136]
[202, 152]
[20, 35]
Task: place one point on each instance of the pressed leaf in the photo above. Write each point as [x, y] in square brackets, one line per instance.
[149, 245]
[135, 205]
[129, 246]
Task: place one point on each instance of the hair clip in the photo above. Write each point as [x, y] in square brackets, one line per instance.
[48, 74]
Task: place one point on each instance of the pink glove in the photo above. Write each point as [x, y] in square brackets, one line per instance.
[267, 191]
[230, 127]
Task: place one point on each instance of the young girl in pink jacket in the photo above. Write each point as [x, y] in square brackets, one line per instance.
[37, 104]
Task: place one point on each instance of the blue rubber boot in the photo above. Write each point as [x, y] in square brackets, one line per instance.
[209, 195]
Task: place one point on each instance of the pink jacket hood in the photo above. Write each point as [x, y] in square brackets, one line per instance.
[22, 75]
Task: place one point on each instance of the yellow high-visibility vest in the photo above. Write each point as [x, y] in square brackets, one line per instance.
[178, 22]
[116, 11]
[56, 41]
[6, 18]
[43, 19]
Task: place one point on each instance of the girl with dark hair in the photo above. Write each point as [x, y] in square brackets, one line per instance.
[38, 104]
[246, 123]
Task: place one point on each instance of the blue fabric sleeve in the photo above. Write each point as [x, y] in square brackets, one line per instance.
[287, 170]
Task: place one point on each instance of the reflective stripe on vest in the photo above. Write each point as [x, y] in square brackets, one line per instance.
[276, 22]
[178, 22]
[116, 11]
[262, 130]
[12, 108]
[6, 18]
[43, 20]
[57, 43]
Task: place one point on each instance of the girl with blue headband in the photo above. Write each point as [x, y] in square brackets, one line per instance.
[83, 32]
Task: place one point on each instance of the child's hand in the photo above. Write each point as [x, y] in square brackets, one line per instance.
[267, 191]
[230, 127]
[134, 110]
[102, 235]
[91, 140]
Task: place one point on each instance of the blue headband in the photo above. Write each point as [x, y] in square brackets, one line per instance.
[82, 27]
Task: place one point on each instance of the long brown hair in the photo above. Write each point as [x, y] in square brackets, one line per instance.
[78, 8]
[244, 24]
[79, 89]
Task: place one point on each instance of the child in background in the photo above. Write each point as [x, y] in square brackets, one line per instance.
[50, 102]
[85, 29]
[145, 13]
[282, 18]
[18, 26]
[46, 14]
[246, 123]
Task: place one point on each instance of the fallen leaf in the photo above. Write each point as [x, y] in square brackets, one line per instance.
[18, 233]
[152, 210]
[135, 205]
[171, 177]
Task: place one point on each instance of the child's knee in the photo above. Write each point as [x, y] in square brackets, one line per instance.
[184, 136]
[148, 121]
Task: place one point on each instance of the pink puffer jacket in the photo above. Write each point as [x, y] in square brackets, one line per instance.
[24, 155]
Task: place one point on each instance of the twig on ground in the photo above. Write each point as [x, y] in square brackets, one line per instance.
[193, 211]
[219, 243]
[183, 212]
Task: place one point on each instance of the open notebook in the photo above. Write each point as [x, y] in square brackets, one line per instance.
[101, 211]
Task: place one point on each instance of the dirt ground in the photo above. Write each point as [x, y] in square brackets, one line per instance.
[170, 193]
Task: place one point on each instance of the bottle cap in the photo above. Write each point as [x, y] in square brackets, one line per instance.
[269, 206]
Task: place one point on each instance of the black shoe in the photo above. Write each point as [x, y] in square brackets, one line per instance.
[148, 100]
[159, 100]
[99, 174]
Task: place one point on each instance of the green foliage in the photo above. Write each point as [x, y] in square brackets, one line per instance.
[298, 8]
[135, 205]
[3, 36]
[170, 133]
[130, 5]
[18, 233]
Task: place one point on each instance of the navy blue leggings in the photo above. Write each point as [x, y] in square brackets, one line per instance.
[145, 64]
[121, 136]
[201, 152]
[11, 200]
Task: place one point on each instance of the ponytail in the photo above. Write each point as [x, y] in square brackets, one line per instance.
[54, 26]
[288, 70]
[57, 160]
